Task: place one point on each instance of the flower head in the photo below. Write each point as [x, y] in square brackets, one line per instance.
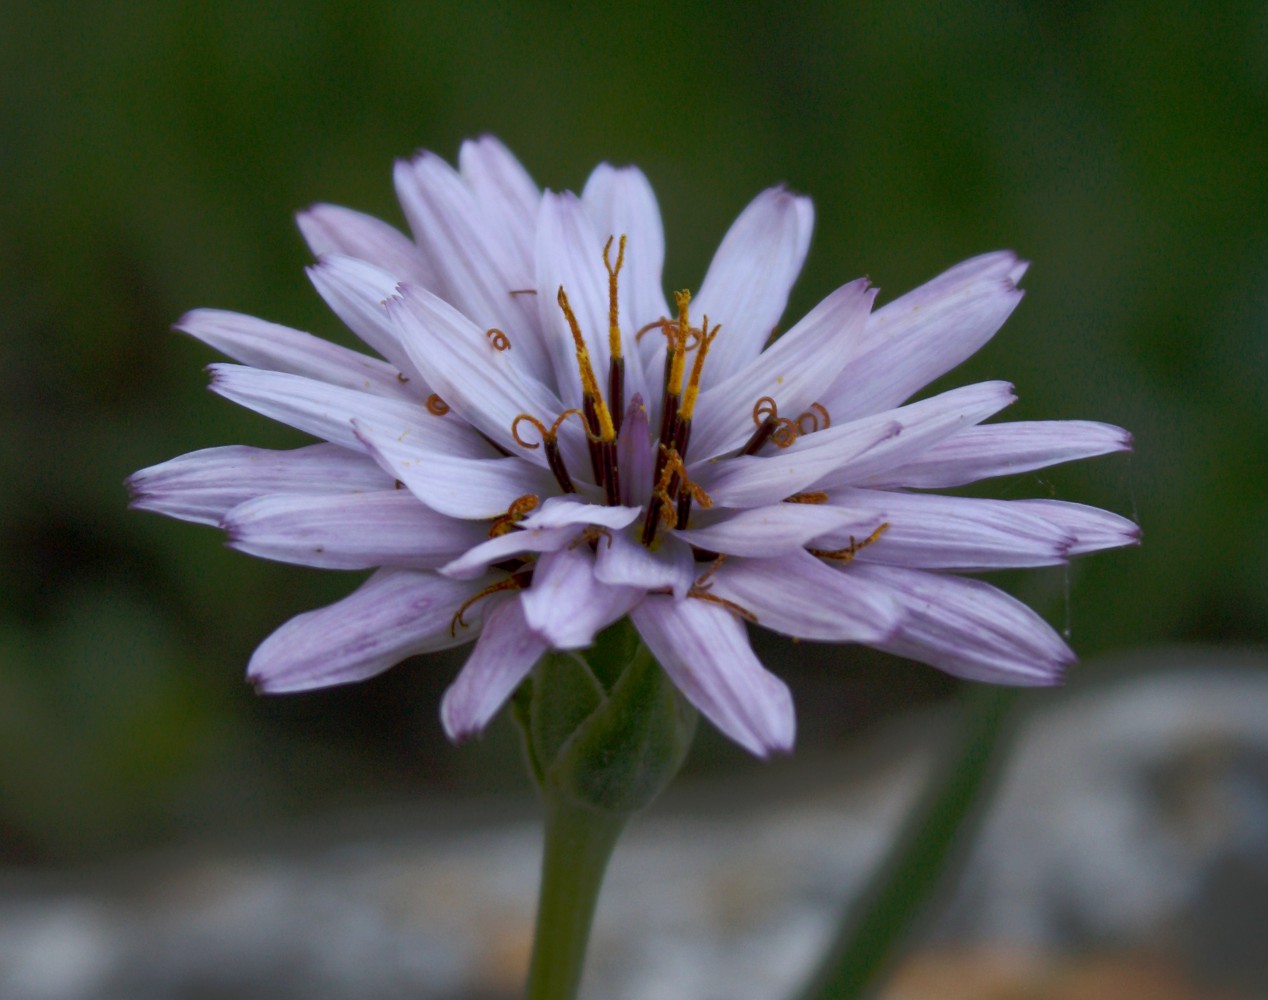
[545, 444]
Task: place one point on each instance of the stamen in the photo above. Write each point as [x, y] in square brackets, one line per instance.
[813, 414]
[550, 438]
[616, 364]
[675, 493]
[846, 554]
[664, 325]
[689, 397]
[499, 340]
[592, 534]
[703, 581]
[770, 426]
[515, 582]
[812, 497]
[673, 383]
[614, 329]
[547, 435]
[518, 510]
[704, 595]
[589, 386]
[436, 406]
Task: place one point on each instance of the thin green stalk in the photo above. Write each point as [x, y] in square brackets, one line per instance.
[872, 931]
[579, 842]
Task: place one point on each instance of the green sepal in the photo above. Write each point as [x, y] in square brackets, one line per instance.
[632, 746]
[607, 729]
[565, 693]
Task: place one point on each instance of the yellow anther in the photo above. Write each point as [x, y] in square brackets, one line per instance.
[854, 548]
[614, 329]
[679, 344]
[674, 469]
[589, 386]
[499, 340]
[436, 406]
[510, 583]
[693, 383]
[518, 510]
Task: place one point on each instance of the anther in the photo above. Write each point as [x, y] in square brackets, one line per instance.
[692, 392]
[846, 554]
[616, 363]
[499, 340]
[589, 386]
[436, 406]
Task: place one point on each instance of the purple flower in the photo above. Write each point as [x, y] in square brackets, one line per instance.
[544, 444]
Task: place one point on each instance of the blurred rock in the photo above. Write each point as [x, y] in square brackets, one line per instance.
[1126, 856]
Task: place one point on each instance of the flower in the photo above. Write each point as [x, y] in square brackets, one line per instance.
[545, 445]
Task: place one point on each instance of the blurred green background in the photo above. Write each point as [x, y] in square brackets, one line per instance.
[152, 156]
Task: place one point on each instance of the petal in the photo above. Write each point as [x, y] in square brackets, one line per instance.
[968, 628]
[480, 557]
[921, 424]
[793, 371]
[356, 292]
[570, 256]
[503, 656]
[260, 344]
[620, 201]
[747, 285]
[622, 561]
[328, 411]
[800, 596]
[923, 335]
[334, 229]
[479, 272]
[566, 606]
[1091, 528]
[757, 480]
[393, 615]
[205, 485]
[706, 653]
[1004, 449]
[771, 530]
[471, 488]
[966, 534]
[559, 512]
[504, 191]
[462, 363]
[357, 531]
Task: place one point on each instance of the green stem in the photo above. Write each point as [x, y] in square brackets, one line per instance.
[871, 932]
[579, 842]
